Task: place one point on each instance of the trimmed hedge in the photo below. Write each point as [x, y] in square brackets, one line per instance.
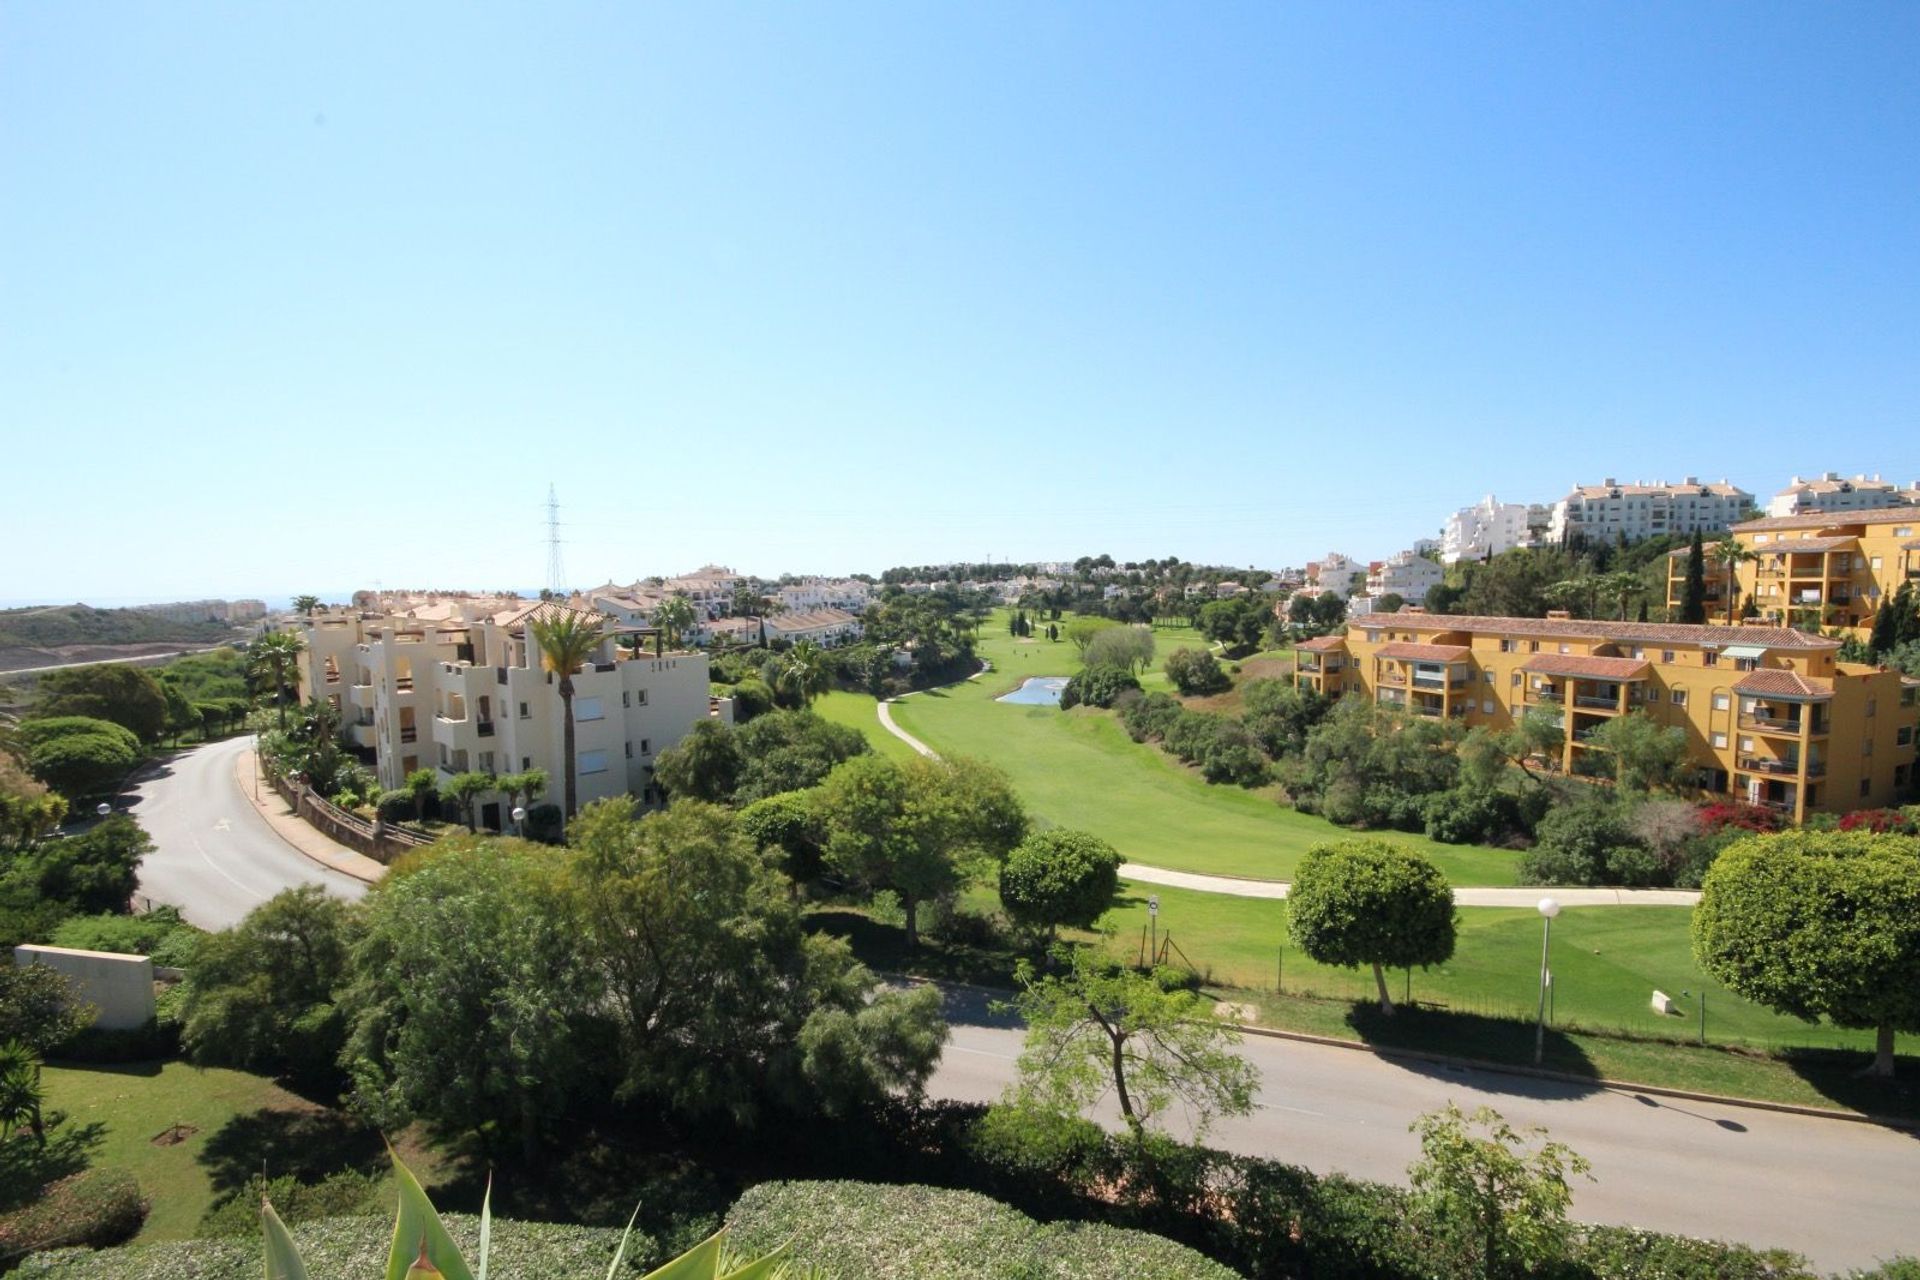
[358, 1247]
[861, 1229]
[95, 1208]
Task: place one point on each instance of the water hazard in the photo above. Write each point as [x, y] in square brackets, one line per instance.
[1037, 691]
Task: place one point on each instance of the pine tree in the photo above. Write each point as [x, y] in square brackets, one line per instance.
[1693, 603]
[1886, 623]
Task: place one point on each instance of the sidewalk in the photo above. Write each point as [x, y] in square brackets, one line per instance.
[1239, 887]
[290, 827]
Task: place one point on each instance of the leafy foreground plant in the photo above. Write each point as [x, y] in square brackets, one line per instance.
[422, 1249]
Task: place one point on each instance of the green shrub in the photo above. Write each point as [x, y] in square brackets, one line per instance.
[355, 1247]
[928, 1233]
[1627, 1253]
[395, 806]
[1469, 815]
[1197, 672]
[123, 935]
[751, 698]
[1589, 843]
[546, 823]
[345, 1194]
[96, 1208]
[1097, 687]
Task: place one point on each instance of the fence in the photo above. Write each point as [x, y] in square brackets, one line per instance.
[381, 841]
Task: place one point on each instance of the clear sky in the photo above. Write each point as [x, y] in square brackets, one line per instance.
[313, 297]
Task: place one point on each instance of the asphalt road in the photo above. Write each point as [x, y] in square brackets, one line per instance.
[1843, 1193]
[215, 858]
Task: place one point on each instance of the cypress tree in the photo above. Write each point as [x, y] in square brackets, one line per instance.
[1886, 623]
[1693, 602]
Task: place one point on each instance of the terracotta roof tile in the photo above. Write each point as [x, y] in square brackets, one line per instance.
[1844, 542]
[1584, 629]
[1580, 667]
[1831, 519]
[1323, 644]
[1783, 684]
[1425, 652]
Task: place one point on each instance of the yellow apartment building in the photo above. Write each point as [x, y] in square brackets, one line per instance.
[1830, 568]
[1771, 716]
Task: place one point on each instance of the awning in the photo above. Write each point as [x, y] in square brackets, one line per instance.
[1752, 652]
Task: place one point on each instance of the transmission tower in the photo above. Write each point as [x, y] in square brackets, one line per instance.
[556, 570]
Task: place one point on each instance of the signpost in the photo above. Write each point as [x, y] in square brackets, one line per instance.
[1153, 920]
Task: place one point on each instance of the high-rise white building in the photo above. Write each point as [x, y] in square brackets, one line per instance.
[1835, 492]
[459, 687]
[1489, 527]
[1611, 510]
[1333, 574]
[1406, 575]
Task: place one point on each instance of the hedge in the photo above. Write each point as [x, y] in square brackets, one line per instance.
[97, 1208]
[357, 1247]
[861, 1229]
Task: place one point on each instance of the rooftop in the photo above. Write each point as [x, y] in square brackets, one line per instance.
[1585, 629]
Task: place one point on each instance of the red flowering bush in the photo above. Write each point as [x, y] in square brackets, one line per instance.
[1731, 815]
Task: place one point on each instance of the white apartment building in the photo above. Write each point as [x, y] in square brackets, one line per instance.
[1406, 575]
[710, 587]
[825, 627]
[1489, 527]
[1611, 510]
[849, 594]
[1333, 574]
[459, 687]
[1835, 492]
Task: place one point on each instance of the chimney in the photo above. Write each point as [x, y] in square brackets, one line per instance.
[1608, 482]
[1830, 475]
[1691, 482]
[1558, 615]
[1413, 608]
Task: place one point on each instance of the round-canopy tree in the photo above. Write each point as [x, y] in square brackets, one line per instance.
[1059, 877]
[1818, 924]
[1369, 901]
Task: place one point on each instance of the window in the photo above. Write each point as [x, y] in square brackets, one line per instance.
[1873, 704]
[629, 751]
[1566, 648]
[593, 762]
[526, 762]
[1719, 739]
[1903, 531]
[1488, 675]
[1679, 697]
[1721, 702]
[1666, 655]
[1874, 562]
[524, 713]
[1373, 637]
[1533, 646]
[588, 709]
[1745, 664]
[646, 746]
[486, 762]
[1866, 786]
[1516, 680]
[1746, 744]
[639, 697]
[1486, 706]
[1638, 652]
[1905, 737]
[1866, 747]
[626, 699]
[1506, 645]
[1709, 658]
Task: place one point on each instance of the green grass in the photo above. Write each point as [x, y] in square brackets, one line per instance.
[1607, 962]
[137, 1102]
[1079, 769]
[859, 711]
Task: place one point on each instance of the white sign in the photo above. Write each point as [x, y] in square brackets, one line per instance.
[1153, 904]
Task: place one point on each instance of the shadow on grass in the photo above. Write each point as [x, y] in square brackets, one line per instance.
[308, 1145]
[147, 1067]
[26, 1166]
[1835, 1075]
[1502, 1041]
[884, 947]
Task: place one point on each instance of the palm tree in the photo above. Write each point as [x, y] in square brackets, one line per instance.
[806, 672]
[272, 657]
[1728, 554]
[304, 605]
[674, 617]
[566, 640]
[1620, 585]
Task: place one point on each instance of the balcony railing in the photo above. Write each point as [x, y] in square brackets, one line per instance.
[403, 685]
[1772, 724]
[1546, 695]
[1764, 764]
[486, 728]
[409, 734]
[1603, 704]
[1392, 677]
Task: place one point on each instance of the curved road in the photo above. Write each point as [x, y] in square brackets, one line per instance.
[214, 856]
[1844, 1193]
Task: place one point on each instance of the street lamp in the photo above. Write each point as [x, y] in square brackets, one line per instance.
[103, 809]
[519, 820]
[1548, 910]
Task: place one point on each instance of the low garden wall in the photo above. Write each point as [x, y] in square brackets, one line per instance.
[381, 841]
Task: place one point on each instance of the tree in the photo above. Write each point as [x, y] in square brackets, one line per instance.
[1728, 555]
[1082, 628]
[425, 786]
[674, 617]
[704, 765]
[182, 715]
[909, 826]
[806, 672]
[1644, 754]
[40, 1008]
[1059, 877]
[1368, 901]
[788, 824]
[78, 765]
[85, 874]
[1589, 842]
[20, 1092]
[567, 640]
[271, 658]
[790, 751]
[523, 788]
[1487, 1205]
[1094, 1028]
[473, 999]
[1818, 924]
[464, 789]
[722, 1001]
[114, 691]
[1619, 585]
[1096, 687]
[1129, 648]
[304, 605]
[1196, 672]
[1280, 716]
[28, 810]
[260, 996]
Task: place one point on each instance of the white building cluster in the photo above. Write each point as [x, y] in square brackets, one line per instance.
[1832, 491]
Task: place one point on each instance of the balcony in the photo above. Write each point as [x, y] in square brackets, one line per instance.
[409, 734]
[403, 685]
[1553, 696]
[1591, 703]
[1392, 677]
[1760, 722]
[361, 695]
[485, 728]
[1776, 766]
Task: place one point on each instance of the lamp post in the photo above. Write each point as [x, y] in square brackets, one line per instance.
[519, 820]
[1548, 910]
[104, 809]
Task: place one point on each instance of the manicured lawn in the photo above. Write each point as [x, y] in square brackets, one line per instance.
[1607, 962]
[1079, 769]
[136, 1103]
[858, 711]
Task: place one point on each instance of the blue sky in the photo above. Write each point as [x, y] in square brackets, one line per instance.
[315, 298]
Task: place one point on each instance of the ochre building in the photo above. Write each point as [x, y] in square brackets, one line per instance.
[1771, 716]
[1831, 569]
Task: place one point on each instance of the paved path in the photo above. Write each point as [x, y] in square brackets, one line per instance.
[216, 857]
[1844, 1193]
[1465, 897]
[1241, 887]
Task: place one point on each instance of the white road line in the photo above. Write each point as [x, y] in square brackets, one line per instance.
[984, 1053]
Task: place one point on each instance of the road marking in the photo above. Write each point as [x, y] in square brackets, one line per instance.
[1299, 1111]
[984, 1053]
[223, 825]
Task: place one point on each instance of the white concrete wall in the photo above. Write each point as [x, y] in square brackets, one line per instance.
[120, 988]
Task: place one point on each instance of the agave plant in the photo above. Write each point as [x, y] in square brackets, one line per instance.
[422, 1249]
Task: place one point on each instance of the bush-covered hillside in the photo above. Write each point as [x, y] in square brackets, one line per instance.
[44, 627]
